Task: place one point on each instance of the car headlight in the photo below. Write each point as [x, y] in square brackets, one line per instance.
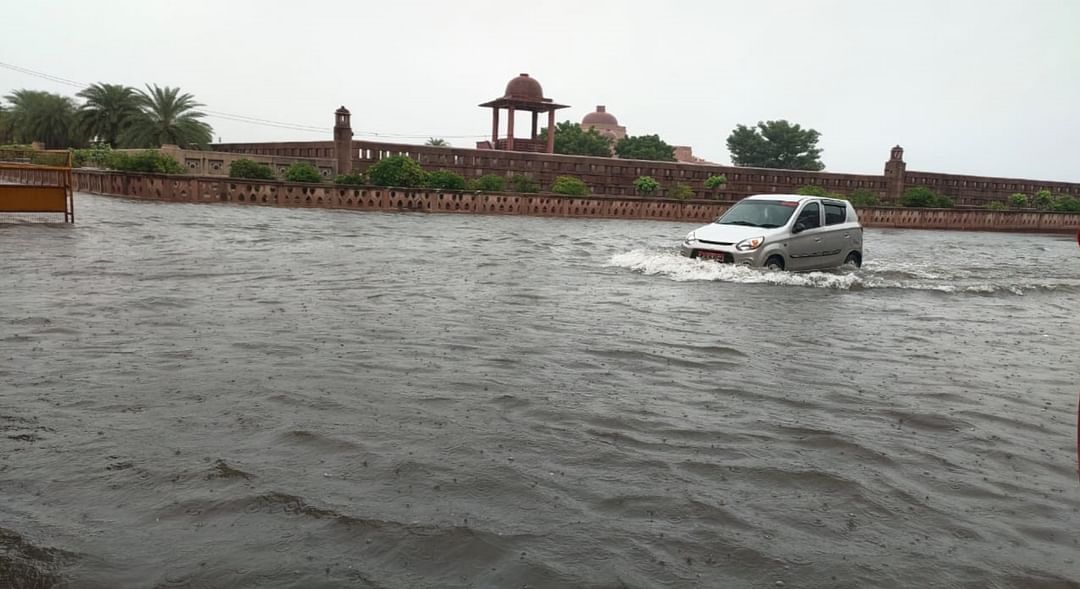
[690, 236]
[749, 245]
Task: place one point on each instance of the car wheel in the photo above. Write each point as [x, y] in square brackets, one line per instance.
[853, 259]
[775, 263]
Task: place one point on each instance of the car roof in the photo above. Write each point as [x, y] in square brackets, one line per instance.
[799, 198]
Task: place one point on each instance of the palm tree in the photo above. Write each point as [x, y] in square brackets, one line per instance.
[167, 117]
[42, 116]
[437, 142]
[109, 109]
[5, 126]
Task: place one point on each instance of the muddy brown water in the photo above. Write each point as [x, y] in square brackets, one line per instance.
[230, 396]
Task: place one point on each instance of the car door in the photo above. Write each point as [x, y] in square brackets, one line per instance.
[804, 246]
[836, 235]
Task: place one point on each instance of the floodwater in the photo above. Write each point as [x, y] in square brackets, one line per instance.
[229, 396]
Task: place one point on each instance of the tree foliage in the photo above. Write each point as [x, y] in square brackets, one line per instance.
[862, 197]
[397, 170]
[1018, 200]
[714, 182]
[646, 185]
[488, 183]
[436, 142]
[775, 144]
[245, 168]
[522, 183]
[303, 172]
[168, 117]
[681, 191]
[569, 185]
[351, 179]
[445, 180]
[153, 162]
[42, 116]
[572, 139]
[645, 147]
[108, 111]
[923, 197]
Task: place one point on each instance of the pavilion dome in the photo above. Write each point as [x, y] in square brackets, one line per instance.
[600, 117]
[525, 88]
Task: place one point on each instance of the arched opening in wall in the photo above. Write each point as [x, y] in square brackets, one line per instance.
[371, 203]
[264, 199]
[348, 202]
[307, 200]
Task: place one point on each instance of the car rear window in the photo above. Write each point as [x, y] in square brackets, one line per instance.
[835, 214]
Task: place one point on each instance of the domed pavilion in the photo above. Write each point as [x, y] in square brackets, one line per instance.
[604, 122]
[523, 93]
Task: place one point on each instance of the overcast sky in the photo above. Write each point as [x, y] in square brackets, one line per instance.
[986, 87]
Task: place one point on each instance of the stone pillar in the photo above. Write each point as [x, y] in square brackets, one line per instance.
[343, 140]
[894, 175]
[494, 127]
[551, 132]
[535, 118]
[510, 129]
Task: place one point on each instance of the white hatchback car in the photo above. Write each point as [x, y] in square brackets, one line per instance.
[781, 232]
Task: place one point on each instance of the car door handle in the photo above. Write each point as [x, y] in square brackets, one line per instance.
[847, 236]
[817, 240]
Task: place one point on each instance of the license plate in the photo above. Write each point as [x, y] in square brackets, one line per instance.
[718, 256]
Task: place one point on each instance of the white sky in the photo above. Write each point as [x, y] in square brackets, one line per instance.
[986, 87]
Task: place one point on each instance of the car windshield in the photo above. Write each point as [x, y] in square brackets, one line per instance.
[759, 213]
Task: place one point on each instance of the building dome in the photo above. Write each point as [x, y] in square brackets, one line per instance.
[525, 88]
[600, 117]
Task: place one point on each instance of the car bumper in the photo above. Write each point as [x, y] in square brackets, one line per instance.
[692, 249]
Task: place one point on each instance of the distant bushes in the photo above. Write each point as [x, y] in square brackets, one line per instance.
[570, 186]
[303, 172]
[444, 180]
[923, 197]
[397, 170]
[488, 183]
[150, 161]
[245, 168]
[681, 191]
[646, 185]
[862, 197]
[520, 183]
[350, 179]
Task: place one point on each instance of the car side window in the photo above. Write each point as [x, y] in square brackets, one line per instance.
[835, 214]
[809, 217]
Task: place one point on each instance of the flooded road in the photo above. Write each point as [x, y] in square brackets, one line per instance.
[228, 396]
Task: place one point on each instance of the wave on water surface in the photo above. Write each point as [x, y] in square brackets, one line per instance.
[874, 274]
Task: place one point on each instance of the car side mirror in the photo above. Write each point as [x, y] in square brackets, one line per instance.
[799, 227]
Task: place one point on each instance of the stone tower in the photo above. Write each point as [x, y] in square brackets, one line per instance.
[894, 174]
[343, 140]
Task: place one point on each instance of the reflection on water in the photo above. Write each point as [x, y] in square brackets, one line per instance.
[219, 396]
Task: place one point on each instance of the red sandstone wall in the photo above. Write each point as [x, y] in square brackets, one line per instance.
[371, 198]
[615, 177]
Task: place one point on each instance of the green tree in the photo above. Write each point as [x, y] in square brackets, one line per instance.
[646, 185]
[303, 172]
[1066, 204]
[5, 126]
[681, 191]
[522, 183]
[863, 197]
[397, 170]
[149, 161]
[923, 197]
[445, 180]
[108, 111]
[644, 147]
[245, 168]
[996, 205]
[351, 179]
[43, 116]
[569, 185]
[1043, 200]
[571, 139]
[714, 182]
[437, 142]
[775, 144]
[488, 183]
[815, 190]
[167, 117]
[1018, 200]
